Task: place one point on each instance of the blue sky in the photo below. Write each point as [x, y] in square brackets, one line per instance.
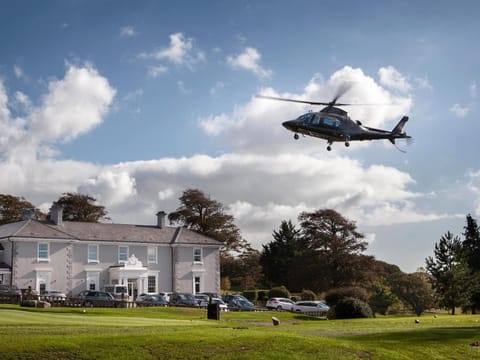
[132, 102]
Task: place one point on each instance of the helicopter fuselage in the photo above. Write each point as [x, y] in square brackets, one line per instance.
[334, 124]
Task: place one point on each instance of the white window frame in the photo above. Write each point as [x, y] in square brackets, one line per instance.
[155, 286]
[96, 253]
[154, 250]
[201, 256]
[122, 260]
[92, 277]
[43, 277]
[200, 276]
[39, 259]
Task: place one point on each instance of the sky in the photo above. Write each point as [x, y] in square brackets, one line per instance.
[134, 102]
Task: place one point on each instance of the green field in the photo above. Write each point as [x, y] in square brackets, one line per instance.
[173, 333]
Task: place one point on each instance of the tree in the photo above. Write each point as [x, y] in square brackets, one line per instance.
[414, 290]
[381, 297]
[79, 207]
[449, 272]
[337, 243]
[277, 256]
[471, 247]
[200, 213]
[13, 207]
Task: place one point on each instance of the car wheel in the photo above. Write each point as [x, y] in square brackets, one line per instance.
[279, 308]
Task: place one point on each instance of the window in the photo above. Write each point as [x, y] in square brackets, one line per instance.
[152, 284]
[152, 255]
[43, 252]
[197, 284]
[91, 286]
[92, 253]
[122, 253]
[197, 255]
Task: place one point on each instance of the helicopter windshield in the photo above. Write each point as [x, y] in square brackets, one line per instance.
[330, 122]
[306, 118]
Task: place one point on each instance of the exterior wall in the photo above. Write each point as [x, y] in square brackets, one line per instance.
[186, 270]
[28, 268]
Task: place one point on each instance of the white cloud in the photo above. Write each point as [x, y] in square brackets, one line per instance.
[459, 111]
[110, 187]
[156, 71]
[19, 74]
[128, 31]
[181, 52]
[391, 78]
[249, 60]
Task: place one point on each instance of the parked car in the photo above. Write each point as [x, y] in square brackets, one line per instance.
[30, 294]
[165, 295]
[9, 290]
[278, 303]
[238, 304]
[317, 306]
[229, 298]
[90, 296]
[220, 302]
[152, 300]
[141, 297]
[54, 295]
[183, 299]
[202, 300]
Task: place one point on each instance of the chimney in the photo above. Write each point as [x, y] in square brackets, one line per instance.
[56, 214]
[161, 219]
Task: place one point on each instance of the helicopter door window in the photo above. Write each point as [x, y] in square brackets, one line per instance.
[307, 118]
[316, 120]
[330, 122]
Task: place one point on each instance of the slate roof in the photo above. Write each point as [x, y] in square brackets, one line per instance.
[84, 231]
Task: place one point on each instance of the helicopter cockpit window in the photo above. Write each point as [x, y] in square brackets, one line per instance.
[316, 120]
[330, 122]
[307, 118]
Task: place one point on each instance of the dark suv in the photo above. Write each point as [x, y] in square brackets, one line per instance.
[92, 297]
[9, 290]
[183, 299]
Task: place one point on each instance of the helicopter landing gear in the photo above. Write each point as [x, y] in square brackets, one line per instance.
[329, 147]
[347, 139]
[295, 136]
[347, 144]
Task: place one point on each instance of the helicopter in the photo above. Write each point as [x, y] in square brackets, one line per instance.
[334, 125]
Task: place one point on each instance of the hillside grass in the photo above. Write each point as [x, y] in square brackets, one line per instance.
[181, 333]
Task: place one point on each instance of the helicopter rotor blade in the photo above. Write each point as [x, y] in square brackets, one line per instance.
[342, 90]
[293, 100]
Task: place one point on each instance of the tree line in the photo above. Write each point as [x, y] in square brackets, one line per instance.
[323, 254]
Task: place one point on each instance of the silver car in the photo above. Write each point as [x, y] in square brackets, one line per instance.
[314, 307]
[278, 303]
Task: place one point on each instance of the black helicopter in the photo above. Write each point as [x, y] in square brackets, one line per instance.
[334, 124]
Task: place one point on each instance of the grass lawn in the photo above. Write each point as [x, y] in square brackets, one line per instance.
[176, 333]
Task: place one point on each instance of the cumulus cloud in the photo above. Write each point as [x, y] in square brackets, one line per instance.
[249, 60]
[109, 187]
[459, 110]
[391, 78]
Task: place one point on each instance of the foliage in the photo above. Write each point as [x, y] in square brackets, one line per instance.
[277, 256]
[414, 290]
[308, 295]
[207, 216]
[13, 207]
[251, 295]
[471, 247]
[351, 308]
[225, 283]
[279, 291]
[336, 242]
[243, 271]
[79, 207]
[381, 297]
[262, 295]
[449, 272]
[333, 296]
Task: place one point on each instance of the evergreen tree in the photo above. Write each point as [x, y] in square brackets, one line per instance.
[449, 272]
[471, 247]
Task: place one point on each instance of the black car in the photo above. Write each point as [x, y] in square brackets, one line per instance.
[183, 299]
[92, 297]
[152, 300]
[9, 290]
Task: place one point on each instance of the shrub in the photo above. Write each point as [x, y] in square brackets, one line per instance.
[335, 295]
[307, 295]
[279, 291]
[250, 295]
[262, 295]
[350, 308]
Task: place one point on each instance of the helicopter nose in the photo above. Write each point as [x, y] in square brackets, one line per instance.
[289, 125]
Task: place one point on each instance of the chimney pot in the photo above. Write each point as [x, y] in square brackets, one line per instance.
[56, 214]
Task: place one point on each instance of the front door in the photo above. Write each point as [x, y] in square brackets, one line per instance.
[132, 289]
